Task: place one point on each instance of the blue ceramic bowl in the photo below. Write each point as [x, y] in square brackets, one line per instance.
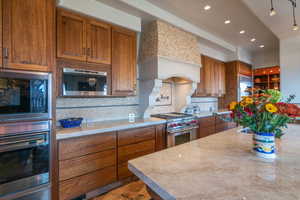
[71, 122]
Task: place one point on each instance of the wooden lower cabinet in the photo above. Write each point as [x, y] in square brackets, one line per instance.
[212, 125]
[90, 162]
[74, 187]
[86, 164]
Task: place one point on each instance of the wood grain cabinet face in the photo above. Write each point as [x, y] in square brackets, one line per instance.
[98, 42]
[71, 36]
[28, 34]
[212, 78]
[123, 62]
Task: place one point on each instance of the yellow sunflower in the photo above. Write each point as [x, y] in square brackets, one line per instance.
[243, 103]
[271, 108]
[248, 100]
[232, 105]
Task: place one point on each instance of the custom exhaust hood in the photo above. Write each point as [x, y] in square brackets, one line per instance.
[167, 55]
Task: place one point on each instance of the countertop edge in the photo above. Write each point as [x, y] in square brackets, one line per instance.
[82, 133]
[150, 183]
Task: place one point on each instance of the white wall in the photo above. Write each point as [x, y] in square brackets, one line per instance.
[290, 67]
[268, 58]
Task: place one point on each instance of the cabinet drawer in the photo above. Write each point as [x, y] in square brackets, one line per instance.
[207, 121]
[206, 131]
[76, 147]
[76, 186]
[132, 151]
[132, 136]
[82, 165]
[123, 171]
[221, 127]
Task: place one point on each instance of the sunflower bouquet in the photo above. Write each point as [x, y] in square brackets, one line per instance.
[264, 112]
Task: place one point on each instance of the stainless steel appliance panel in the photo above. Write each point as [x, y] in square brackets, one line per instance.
[25, 95]
[84, 82]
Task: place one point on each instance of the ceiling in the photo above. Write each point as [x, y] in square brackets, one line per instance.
[212, 21]
[281, 23]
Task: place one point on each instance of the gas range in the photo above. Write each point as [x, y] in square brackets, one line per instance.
[178, 122]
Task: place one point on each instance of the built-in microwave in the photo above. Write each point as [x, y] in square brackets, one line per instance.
[79, 82]
[25, 95]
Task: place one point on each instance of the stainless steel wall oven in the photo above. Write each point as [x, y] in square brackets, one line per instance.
[24, 95]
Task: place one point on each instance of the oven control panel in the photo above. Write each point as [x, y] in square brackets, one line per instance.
[182, 124]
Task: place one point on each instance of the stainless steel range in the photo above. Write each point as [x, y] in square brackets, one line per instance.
[181, 128]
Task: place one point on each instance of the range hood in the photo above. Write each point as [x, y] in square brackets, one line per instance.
[167, 55]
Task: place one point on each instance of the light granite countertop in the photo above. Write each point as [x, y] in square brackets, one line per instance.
[208, 114]
[222, 167]
[104, 127]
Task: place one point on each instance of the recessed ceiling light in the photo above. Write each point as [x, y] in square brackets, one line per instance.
[242, 31]
[227, 22]
[207, 7]
[262, 46]
[253, 40]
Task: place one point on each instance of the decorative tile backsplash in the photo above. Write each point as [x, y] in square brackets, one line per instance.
[165, 40]
[96, 109]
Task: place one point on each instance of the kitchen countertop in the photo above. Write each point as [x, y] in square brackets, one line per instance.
[116, 125]
[222, 167]
[105, 126]
[208, 114]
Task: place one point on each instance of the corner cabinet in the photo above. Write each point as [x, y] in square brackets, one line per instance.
[82, 38]
[123, 62]
[28, 34]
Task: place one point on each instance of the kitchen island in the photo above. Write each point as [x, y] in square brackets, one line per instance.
[222, 167]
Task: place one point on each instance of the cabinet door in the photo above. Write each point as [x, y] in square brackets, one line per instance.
[28, 37]
[123, 62]
[98, 42]
[201, 91]
[71, 36]
[221, 79]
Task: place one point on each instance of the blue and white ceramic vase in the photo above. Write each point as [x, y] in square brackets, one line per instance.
[264, 145]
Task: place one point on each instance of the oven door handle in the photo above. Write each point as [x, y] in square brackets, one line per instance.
[26, 142]
[183, 130]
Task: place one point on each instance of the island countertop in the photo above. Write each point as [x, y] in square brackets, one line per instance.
[222, 167]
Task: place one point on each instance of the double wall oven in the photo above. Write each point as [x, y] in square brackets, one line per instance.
[25, 132]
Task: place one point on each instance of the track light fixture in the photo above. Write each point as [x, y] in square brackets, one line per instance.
[294, 6]
[272, 11]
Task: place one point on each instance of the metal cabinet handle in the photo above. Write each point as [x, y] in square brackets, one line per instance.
[5, 53]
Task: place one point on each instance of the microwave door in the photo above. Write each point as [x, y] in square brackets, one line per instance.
[84, 83]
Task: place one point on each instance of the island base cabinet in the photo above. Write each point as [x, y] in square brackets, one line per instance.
[77, 186]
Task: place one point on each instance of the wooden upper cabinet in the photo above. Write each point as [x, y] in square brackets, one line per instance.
[98, 42]
[71, 36]
[212, 78]
[244, 69]
[28, 34]
[123, 62]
